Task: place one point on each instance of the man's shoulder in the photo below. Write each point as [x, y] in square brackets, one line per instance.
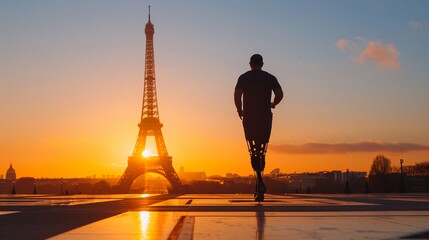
[268, 74]
[246, 74]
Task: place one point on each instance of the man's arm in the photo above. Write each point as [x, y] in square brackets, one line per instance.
[278, 96]
[238, 104]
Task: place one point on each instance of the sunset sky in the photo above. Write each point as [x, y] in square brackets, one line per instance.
[355, 76]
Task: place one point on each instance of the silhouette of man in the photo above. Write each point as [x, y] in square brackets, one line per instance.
[256, 87]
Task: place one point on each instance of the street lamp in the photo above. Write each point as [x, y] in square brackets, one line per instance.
[402, 186]
[347, 187]
[401, 161]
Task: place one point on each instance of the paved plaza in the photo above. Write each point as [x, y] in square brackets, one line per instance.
[215, 216]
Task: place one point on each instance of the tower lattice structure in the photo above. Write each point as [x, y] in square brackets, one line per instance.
[149, 126]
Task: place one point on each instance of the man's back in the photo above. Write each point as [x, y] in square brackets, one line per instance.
[257, 87]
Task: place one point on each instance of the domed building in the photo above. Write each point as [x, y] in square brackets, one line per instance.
[11, 174]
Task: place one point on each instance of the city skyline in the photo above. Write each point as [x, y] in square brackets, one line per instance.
[394, 165]
[354, 77]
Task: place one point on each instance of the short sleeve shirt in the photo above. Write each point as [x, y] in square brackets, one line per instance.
[257, 87]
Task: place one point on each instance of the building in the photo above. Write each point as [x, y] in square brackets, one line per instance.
[335, 176]
[275, 172]
[351, 175]
[232, 175]
[342, 177]
[303, 181]
[191, 176]
[11, 174]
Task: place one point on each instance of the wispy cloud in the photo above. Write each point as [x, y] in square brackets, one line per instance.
[342, 44]
[343, 148]
[386, 56]
[415, 25]
[345, 44]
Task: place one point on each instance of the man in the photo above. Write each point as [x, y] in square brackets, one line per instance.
[256, 87]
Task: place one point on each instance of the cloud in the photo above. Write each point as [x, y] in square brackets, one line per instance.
[345, 44]
[386, 56]
[341, 44]
[415, 25]
[343, 148]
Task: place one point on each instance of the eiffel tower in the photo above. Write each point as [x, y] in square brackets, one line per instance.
[149, 126]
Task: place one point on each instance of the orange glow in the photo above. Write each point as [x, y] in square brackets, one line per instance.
[146, 153]
[144, 217]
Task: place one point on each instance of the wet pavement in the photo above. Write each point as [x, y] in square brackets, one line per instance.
[215, 216]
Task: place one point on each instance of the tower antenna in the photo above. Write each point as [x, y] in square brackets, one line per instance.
[149, 12]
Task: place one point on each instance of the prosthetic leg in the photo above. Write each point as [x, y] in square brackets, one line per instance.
[257, 153]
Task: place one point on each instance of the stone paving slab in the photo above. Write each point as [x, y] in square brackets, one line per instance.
[298, 226]
[7, 212]
[129, 225]
[93, 196]
[426, 200]
[247, 200]
[55, 200]
[49, 202]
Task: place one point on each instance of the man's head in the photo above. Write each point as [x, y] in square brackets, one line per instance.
[256, 61]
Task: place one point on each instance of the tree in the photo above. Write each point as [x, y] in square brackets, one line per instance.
[422, 169]
[102, 187]
[381, 165]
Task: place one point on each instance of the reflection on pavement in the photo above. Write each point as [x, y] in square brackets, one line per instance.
[68, 200]
[7, 212]
[260, 220]
[144, 217]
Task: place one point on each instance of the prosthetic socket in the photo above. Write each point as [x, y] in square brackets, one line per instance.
[257, 153]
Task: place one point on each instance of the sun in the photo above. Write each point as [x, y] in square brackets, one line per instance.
[146, 153]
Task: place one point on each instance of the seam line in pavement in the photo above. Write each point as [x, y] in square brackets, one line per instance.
[184, 229]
